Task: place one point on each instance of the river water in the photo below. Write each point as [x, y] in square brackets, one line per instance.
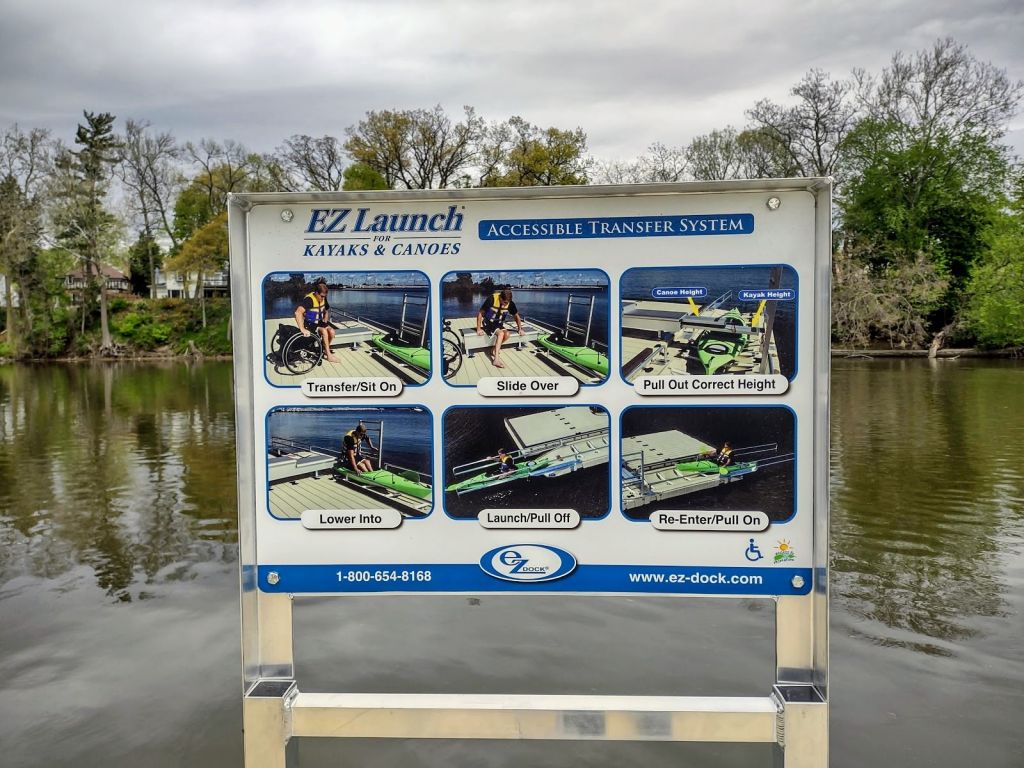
[118, 590]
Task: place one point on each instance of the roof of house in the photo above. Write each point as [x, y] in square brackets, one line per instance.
[106, 269]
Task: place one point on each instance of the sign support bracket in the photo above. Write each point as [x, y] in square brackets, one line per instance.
[794, 715]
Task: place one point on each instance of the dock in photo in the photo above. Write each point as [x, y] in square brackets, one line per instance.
[362, 351]
[663, 465]
[541, 350]
[302, 477]
[548, 444]
[676, 338]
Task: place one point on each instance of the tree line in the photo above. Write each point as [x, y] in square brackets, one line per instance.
[928, 219]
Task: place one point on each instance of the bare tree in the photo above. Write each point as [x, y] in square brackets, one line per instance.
[659, 164]
[149, 168]
[810, 132]
[715, 155]
[309, 163]
[223, 168]
[27, 157]
[943, 90]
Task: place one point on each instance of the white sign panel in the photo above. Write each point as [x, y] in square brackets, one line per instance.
[587, 390]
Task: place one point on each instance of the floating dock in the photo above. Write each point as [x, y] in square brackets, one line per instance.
[649, 473]
[289, 499]
[552, 444]
[306, 477]
[575, 435]
[356, 357]
[659, 338]
[524, 355]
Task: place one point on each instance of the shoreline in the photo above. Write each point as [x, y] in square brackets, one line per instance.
[835, 352]
[947, 354]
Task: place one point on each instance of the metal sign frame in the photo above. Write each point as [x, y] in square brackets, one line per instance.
[793, 714]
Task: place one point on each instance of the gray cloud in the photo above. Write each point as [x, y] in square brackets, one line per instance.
[629, 75]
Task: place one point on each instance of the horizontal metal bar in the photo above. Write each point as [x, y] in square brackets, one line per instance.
[496, 716]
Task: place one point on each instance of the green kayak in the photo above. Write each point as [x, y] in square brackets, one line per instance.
[408, 484]
[708, 467]
[417, 356]
[586, 357]
[487, 480]
[717, 350]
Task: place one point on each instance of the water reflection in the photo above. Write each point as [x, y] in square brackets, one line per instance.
[128, 469]
[926, 487]
[117, 484]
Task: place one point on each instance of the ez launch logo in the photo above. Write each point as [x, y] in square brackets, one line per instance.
[528, 562]
[328, 221]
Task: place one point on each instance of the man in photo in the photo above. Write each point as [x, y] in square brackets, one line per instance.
[506, 463]
[491, 320]
[724, 457]
[352, 446]
[313, 315]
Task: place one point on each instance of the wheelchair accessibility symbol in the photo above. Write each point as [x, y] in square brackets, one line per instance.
[753, 554]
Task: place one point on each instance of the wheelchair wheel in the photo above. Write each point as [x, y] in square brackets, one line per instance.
[451, 356]
[302, 354]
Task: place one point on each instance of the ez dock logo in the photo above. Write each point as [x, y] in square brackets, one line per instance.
[528, 562]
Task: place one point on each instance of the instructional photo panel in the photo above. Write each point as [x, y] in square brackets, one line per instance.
[346, 467]
[700, 321]
[527, 465]
[708, 467]
[527, 324]
[349, 325]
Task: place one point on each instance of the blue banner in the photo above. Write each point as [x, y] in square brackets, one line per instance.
[617, 226]
[649, 579]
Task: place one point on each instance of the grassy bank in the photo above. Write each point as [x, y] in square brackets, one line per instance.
[138, 328]
[167, 327]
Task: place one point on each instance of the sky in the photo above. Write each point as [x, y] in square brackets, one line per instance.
[628, 73]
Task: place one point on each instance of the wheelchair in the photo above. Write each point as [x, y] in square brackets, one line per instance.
[299, 354]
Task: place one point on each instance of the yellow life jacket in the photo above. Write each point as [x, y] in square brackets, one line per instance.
[357, 441]
[498, 308]
[315, 316]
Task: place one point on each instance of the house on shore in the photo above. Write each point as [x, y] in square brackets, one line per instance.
[182, 285]
[117, 282]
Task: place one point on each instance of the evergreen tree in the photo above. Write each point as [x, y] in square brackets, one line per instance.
[84, 226]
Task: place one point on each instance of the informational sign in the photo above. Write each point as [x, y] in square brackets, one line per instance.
[580, 390]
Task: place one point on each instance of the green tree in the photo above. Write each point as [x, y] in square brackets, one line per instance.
[144, 258]
[84, 226]
[20, 229]
[753, 153]
[516, 153]
[26, 159]
[995, 311]
[926, 167]
[360, 176]
[416, 148]
[192, 209]
[205, 252]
